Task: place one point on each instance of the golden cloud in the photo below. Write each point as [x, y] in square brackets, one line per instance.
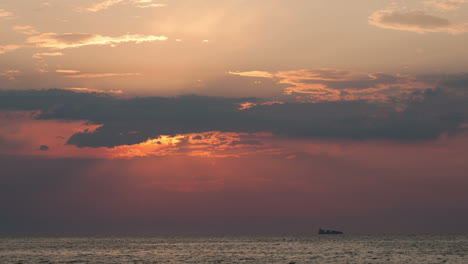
[209, 144]
[260, 74]
[67, 71]
[75, 40]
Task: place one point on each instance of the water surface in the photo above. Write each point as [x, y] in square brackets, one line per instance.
[242, 249]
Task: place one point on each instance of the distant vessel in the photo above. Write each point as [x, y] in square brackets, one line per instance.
[329, 232]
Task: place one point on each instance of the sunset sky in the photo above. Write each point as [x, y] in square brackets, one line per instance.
[233, 116]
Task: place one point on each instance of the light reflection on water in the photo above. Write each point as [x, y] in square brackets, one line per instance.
[255, 249]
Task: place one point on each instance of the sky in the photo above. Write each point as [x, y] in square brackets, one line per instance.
[162, 117]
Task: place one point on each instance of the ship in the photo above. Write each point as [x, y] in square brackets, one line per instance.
[329, 232]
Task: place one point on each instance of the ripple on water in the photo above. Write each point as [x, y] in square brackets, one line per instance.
[301, 249]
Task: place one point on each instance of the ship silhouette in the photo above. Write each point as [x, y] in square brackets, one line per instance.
[329, 232]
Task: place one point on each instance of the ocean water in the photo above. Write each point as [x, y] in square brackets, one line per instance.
[254, 249]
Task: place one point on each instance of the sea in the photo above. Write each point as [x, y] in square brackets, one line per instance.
[421, 249]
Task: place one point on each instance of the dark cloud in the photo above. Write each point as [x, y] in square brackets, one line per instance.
[423, 115]
[371, 81]
[459, 82]
[417, 21]
[44, 148]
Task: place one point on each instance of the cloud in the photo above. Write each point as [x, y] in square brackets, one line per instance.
[426, 115]
[101, 75]
[41, 55]
[26, 30]
[89, 90]
[67, 71]
[247, 105]
[147, 4]
[75, 74]
[110, 3]
[44, 148]
[446, 4]
[8, 48]
[337, 84]
[415, 21]
[19, 135]
[208, 144]
[103, 5]
[260, 74]
[6, 15]
[24, 134]
[75, 40]
[10, 74]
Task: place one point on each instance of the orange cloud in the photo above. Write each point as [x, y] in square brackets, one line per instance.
[89, 90]
[5, 14]
[100, 75]
[67, 71]
[75, 40]
[260, 74]
[317, 74]
[209, 144]
[26, 30]
[106, 4]
[8, 48]
[314, 85]
[248, 105]
[44, 54]
[10, 74]
[22, 134]
[103, 5]
[75, 74]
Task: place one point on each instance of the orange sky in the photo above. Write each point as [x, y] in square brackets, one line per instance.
[170, 48]
[230, 116]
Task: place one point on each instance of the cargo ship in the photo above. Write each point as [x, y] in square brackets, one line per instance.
[329, 232]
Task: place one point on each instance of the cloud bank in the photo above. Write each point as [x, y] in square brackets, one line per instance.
[315, 85]
[422, 115]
